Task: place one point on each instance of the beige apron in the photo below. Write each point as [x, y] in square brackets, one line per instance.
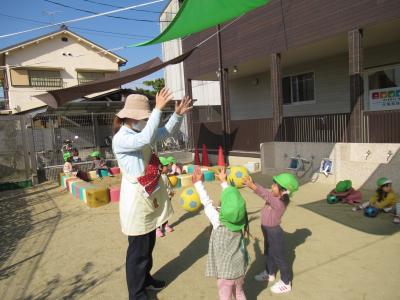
[138, 214]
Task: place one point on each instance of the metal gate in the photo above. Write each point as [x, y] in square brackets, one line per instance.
[17, 162]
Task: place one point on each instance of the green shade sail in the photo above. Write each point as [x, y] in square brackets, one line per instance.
[197, 15]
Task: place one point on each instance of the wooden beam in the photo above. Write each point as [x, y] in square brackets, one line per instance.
[276, 96]
[356, 85]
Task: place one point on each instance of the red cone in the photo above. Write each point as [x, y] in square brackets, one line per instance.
[204, 156]
[196, 157]
[221, 159]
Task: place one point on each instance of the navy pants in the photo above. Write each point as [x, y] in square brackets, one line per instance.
[139, 261]
[274, 251]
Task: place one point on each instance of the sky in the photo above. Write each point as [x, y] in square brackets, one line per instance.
[120, 32]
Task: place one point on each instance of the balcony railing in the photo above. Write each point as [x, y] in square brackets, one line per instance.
[47, 83]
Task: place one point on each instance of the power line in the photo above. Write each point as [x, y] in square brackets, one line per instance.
[93, 12]
[80, 28]
[115, 6]
[81, 19]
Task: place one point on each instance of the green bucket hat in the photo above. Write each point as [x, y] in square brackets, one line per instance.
[343, 186]
[233, 209]
[171, 159]
[95, 154]
[287, 181]
[163, 161]
[67, 155]
[382, 181]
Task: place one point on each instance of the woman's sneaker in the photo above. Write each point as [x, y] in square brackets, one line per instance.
[280, 287]
[264, 276]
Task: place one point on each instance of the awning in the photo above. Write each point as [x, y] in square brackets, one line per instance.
[59, 97]
[197, 15]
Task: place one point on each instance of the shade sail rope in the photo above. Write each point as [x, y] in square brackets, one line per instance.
[82, 18]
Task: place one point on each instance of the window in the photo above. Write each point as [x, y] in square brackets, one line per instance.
[2, 94]
[85, 77]
[383, 79]
[45, 78]
[298, 88]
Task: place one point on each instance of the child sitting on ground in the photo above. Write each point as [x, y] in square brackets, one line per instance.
[227, 258]
[174, 168]
[383, 199]
[68, 169]
[99, 164]
[160, 231]
[345, 192]
[276, 201]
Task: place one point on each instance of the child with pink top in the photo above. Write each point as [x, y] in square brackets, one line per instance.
[276, 201]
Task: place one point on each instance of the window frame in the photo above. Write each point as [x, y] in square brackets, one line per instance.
[61, 80]
[290, 75]
[78, 79]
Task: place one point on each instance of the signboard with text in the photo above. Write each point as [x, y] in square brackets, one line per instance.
[385, 99]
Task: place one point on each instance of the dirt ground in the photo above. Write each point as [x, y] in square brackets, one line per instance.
[53, 247]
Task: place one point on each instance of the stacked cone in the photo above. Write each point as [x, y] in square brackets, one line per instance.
[196, 157]
[221, 159]
[204, 156]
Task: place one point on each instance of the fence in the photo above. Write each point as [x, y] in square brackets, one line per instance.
[16, 161]
[246, 135]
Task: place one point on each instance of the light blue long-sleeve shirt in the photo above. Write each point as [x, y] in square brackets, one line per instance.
[128, 144]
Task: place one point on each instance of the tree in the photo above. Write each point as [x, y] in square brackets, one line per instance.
[157, 84]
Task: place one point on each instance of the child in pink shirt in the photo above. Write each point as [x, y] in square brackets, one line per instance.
[276, 201]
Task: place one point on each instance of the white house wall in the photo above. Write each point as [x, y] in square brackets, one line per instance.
[49, 54]
[205, 92]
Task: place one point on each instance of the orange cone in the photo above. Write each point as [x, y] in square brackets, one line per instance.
[196, 157]
[204, 156]
[221, 159]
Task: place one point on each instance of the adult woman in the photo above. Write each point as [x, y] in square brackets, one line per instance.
[141, 210]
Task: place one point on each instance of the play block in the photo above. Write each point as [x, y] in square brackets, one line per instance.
[190, 169]
[83, 191]
[114, 193]
[69, 181]
[92, 175]
[64, 181]
[173, 180]
[60, 176]
[104, 173]
[73, 187]
[209, 176]
[185, 180]
[96, 197]
[115, 171]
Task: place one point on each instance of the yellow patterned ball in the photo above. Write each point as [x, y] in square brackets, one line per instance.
[236, 176]
[190, 200]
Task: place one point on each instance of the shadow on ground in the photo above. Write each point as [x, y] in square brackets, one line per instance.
[73, 286]
[342, 213]
[186, 258]
[292, 241]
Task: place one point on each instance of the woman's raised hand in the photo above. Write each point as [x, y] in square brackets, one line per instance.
[183, 106]
[162, 98]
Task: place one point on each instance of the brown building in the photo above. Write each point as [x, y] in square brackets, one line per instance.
[300, 71]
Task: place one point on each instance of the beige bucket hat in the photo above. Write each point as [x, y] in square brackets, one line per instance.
[136, 107]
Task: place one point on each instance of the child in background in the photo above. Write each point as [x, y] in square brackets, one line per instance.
[384, 198]
[276, 201]
[227, 256]
[160, 231]
[345, 192]
[68, 169]
[174, 169]
[99, 164]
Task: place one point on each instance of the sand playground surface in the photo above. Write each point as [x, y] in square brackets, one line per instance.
[53, 247]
